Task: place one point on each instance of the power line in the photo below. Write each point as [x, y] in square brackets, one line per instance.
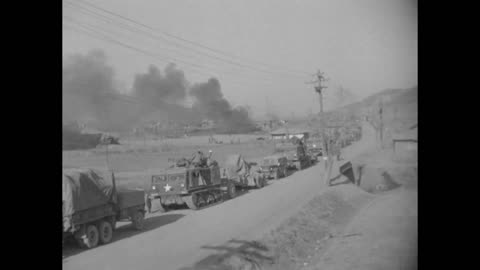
[120, 24]
[103, 37]
[182, 39]
[110, 32]
[191, 42]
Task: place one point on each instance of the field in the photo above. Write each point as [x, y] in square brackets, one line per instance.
[138, 155]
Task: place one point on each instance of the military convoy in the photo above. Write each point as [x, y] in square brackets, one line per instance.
[315, 149]
[199, 185]
[91, 207]
[185, 182]
[243, 174]
[275, 166]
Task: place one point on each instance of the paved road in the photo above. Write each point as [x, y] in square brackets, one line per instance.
[175, 239]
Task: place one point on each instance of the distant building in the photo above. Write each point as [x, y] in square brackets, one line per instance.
[289, 133]
[207, 124]
[405, 146]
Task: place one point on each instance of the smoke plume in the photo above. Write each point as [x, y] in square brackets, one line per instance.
[158, 88]
[165, 94]
[210, 103]
[89, 93]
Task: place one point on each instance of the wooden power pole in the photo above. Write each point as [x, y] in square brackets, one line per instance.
[320, 79]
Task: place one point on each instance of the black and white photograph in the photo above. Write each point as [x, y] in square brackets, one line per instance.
[239, 135]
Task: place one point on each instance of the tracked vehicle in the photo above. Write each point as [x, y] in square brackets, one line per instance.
[243, 174]
[195, 186]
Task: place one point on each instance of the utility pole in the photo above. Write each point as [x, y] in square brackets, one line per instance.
[320, 79]
[380, 116]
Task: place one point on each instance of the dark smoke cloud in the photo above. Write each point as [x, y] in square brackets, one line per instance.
[164, 94]
[210, 103]
[158, 88]
[86, 78]
[89, 93]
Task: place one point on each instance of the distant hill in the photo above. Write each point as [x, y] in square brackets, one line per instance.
[399, 108]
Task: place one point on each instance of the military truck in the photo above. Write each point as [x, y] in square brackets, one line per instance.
[315, 149]
[186, 183]
[274, 166]
[243, 174]
[297, 157]
[92, 206]
[298, 161]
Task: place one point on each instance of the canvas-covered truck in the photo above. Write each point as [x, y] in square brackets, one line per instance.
[274, 166]
[243, 173]
[186, 183]
[92, 205]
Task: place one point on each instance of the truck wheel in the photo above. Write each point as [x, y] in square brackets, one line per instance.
[276, 174]
[106, 232]
[263, 180]
[138, 219]
[90, 238]
[231, 190]
[259, 182]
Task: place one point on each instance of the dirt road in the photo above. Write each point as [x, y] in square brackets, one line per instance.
[177, 240]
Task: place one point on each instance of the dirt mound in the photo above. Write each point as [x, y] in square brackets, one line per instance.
[297, 239]
[309, 231]
[377, 172]
[376, 180]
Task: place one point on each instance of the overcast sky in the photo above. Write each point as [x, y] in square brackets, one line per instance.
[363, 45]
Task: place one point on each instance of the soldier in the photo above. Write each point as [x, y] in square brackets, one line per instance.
[199, 159]
[338, 149]
[300, 148]
[209, 160]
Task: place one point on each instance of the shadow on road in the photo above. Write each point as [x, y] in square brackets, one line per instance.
[235, 254]
[125, 231]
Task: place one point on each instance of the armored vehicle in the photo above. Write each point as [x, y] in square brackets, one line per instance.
[190, 184]
[92, 206]
[274, 166]
[242, 173]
